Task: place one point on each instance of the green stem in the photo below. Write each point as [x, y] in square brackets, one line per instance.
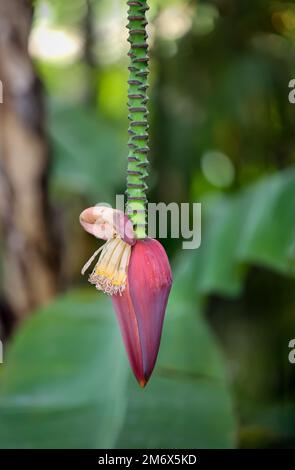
[138, 127]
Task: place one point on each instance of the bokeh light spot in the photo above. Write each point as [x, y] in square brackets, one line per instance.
[217, 169]
[174, 22]
[205, 19]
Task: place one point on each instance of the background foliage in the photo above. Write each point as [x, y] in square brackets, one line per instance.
[222, 133]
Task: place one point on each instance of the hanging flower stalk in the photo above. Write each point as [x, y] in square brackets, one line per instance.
[132, 268]
[138, 128]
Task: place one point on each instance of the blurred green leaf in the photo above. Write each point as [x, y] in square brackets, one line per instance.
[87, 152]
[268, 232]
[64, 383]
[255, 226]
[218, 267]
[63, 378]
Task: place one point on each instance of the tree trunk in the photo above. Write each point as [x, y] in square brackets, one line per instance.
[30, 250]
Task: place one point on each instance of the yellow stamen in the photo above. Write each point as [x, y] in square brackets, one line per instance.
[110, 272]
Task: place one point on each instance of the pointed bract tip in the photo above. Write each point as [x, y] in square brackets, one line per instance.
[142, 383]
